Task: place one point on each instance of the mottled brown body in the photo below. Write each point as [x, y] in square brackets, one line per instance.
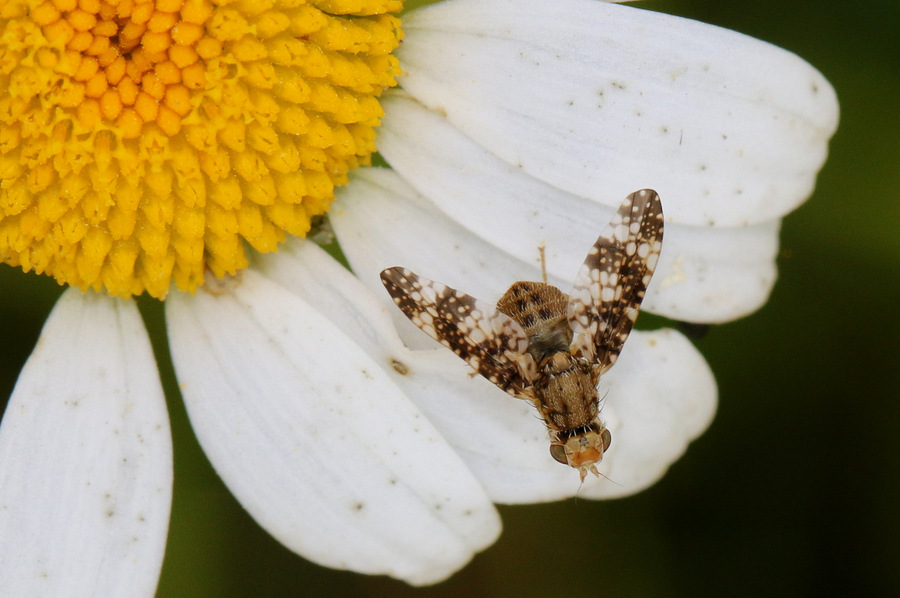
[564, 388]
[564, 392]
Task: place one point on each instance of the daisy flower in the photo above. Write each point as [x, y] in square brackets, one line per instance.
[181, 148]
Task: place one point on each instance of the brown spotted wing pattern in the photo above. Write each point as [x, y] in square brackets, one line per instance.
[541, 345]
[487, 339]
[610, 286]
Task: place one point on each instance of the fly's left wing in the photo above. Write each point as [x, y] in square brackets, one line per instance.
[611, 283]
[488, 340]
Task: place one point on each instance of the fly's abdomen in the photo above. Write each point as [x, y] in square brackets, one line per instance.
[566, 396]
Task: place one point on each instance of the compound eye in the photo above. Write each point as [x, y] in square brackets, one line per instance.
[558, 452]
[605, 438]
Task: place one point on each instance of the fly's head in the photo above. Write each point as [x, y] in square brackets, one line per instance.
[583, 449]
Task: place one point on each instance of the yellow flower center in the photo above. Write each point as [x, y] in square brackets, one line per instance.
[145, 141]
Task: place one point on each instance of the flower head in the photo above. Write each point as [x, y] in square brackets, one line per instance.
[346, 438]
[145, 141]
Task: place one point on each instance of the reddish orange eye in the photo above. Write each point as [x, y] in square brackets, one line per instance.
[558, 452]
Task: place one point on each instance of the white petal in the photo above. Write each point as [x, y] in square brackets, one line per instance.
[705, 274]
[714, 275]
[316, 441]
[661, 395]
[316, 278]
[85, 458]
[600, 100]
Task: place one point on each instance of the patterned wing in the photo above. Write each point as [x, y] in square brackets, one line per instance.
[490, 341]
[610, 286]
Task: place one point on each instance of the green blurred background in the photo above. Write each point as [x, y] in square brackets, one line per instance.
[794, 490]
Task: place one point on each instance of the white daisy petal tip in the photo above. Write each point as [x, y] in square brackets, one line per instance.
[731, 129]
[713, 274]
[305, 424]
[86, 458]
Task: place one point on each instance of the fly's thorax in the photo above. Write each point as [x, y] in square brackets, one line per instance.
[565, 393]
[541, 310]
[581, 448]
